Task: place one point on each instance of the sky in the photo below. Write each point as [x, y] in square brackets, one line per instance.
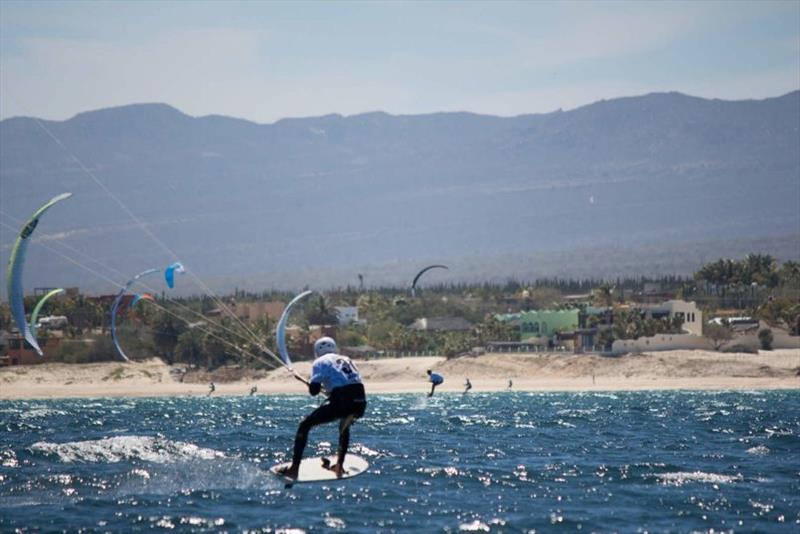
[264, 61]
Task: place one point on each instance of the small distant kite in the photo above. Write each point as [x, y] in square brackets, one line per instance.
[169, 273]
[142, 296]
[280, 330]
[38, 307]
[115, 307]
[423, 271]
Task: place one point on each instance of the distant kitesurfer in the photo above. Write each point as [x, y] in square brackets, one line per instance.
[510, 383]
[211, 388]
[346, 402]
[435, 379]
[467, 386]
[253, 390]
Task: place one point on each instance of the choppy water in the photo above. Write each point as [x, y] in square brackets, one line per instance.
[505, 462]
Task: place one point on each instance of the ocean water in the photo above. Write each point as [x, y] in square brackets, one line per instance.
[501, 462]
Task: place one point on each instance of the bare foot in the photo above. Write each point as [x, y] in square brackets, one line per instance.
[289, 472]
[338, 469]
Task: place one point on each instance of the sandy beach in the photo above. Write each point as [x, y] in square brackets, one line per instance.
[530, 372]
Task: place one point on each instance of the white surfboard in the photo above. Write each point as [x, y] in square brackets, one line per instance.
[313, 470]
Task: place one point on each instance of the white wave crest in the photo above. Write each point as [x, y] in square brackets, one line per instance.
[683, 477]
[475, 526]
[35, 413]
[119, 448]
[8, 458]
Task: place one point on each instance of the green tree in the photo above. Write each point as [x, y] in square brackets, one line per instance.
[456, 343]
[381, 334]
[492, 329]
[603, 295]
[779, 312]
[217, 350]
[166, 330]
[760, 269]
[189, 347]
[373, 306]
[789, 274]
[717, 333]
[318, 312]
[766, 338]
[605, 338]
[351, 337]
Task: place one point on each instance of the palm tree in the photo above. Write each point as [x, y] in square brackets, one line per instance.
[373, 306]
[320, 313]
[604, 295]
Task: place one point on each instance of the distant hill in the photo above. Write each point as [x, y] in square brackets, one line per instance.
[286, 202]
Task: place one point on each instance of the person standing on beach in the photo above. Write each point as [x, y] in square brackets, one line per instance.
[347, 401]
[253, 390]
[467, 386]
[435, 380]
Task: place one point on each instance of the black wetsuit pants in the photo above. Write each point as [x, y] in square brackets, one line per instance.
[346, 403]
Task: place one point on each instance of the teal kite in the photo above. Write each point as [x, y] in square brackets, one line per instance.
[14, 272]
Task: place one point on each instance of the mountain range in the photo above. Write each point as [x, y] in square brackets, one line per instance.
[313, 201]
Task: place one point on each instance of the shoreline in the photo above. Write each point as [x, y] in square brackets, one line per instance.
[659, 371]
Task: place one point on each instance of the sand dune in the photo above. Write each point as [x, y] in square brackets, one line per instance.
[529, 372]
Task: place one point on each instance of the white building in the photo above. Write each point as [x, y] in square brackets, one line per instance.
[347, 314]
[688, 312]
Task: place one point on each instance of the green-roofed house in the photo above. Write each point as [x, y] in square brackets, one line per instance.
[537, 324]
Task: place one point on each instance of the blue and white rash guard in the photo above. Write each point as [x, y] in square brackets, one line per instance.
[436, 378]
[334, 371]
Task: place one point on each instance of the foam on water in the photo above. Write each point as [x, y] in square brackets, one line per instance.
[36, 413]
[760, 450]
[120, 448]
[680, 478]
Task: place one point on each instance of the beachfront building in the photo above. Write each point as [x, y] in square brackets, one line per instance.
[539, 325]
[689, 314]
[19, 352]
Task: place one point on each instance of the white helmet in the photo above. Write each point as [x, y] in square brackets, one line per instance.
[324, 345]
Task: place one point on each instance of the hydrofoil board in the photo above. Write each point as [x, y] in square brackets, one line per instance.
[319, 469]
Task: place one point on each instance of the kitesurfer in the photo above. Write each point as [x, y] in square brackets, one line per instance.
[435, 379]
[253, 390]
[467, 386]
[211, 388]
[510, 383]
[338, 375]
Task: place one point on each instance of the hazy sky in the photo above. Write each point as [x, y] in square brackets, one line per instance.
[265, 61]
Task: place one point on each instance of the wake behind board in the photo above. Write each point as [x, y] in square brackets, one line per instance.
[312, 469]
